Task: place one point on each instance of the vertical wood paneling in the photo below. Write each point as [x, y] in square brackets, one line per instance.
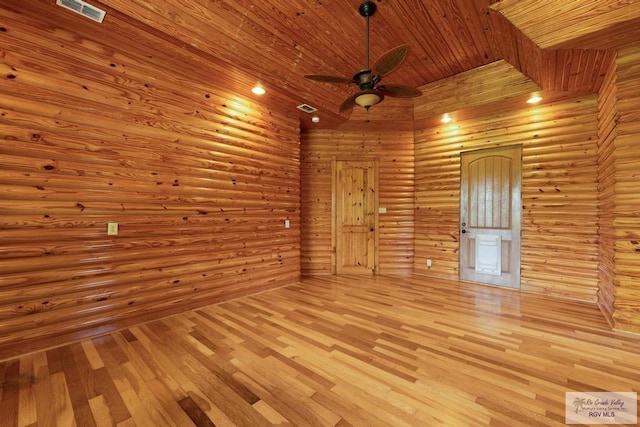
[490, 177]
[627, 201]
[394, 149]
[199, 179]
[559, 189]
[575, 70]
[607, 133]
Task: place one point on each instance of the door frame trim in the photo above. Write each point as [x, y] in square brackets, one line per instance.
[334, 213]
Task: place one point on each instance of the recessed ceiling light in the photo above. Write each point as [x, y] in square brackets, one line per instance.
[446, 118]
[258, 90]
[315, 119]
[534, 99]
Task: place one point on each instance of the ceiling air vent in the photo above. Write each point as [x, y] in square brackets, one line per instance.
[84, 9]
[306, 108]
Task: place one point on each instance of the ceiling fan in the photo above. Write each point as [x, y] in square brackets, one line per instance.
[371, 92]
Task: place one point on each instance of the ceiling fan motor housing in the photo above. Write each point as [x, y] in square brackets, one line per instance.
[367, 9]
[365, 80]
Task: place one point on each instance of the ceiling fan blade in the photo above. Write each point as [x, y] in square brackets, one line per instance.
[349, 103]
[329, 79]
[391, 60]
[400, 91]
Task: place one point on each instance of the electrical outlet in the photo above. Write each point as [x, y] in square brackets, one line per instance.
[112, 229]
[287, 223]
[428, 263]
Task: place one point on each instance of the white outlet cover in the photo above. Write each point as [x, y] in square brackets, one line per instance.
[112, 229]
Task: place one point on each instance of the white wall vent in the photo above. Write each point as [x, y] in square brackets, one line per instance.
[84, 9]
[307, 108]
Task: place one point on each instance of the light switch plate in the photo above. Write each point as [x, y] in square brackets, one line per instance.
[287, 223]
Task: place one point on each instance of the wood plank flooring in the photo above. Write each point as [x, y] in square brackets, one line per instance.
[332, 351]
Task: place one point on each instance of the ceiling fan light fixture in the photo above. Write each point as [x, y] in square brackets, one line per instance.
[368, 99]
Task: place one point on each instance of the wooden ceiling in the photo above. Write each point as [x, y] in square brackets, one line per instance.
[583, 24]
[559, 45]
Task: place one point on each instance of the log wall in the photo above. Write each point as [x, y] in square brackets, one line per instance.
[627, 192]
[560, 200]
[394, 149]
[199, 179]
[607, 159]
[95, 129]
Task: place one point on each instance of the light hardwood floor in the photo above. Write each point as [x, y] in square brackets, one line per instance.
[333, 351]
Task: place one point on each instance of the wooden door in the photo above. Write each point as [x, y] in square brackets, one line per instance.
[355, 219]
[490, 216]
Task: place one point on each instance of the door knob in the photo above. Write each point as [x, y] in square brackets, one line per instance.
[463, 231]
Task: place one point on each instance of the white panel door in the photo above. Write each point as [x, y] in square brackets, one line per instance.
[491, 205]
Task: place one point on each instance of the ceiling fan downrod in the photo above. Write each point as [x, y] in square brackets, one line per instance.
[367, 9]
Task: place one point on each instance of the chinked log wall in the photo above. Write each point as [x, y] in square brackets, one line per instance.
[560, 199]
[199, 180]
[394, 148]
